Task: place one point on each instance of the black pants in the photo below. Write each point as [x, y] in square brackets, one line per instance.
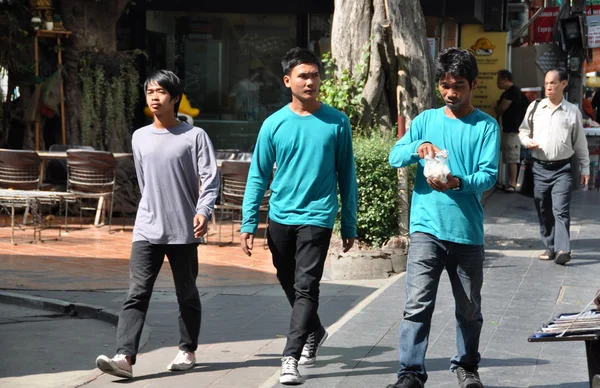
[144, 266]
[299, 253]
[552, 198]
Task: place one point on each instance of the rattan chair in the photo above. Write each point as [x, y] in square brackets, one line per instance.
[233, 185]
[56, 169]
[91, 175]
[19, 170]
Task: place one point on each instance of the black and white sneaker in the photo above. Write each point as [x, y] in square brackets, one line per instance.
[289, 372]
[468, 379]
[312, 346]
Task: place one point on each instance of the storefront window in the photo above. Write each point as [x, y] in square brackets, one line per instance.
[320, 33]
[230, 64]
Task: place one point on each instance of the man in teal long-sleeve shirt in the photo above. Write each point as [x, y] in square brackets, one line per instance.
[446, 219]
[311, 144]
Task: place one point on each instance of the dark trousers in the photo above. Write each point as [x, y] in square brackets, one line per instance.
[299, 253]
[144, 266]
[552, 198]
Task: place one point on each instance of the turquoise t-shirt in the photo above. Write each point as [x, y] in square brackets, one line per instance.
[313, 155]
[473, 145]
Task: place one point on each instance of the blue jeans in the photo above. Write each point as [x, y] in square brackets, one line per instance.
[427, 257]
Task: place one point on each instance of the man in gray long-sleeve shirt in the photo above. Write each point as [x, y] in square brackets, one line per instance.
[557, 135]
[172, 215]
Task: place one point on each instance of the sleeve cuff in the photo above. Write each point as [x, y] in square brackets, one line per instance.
[248, 229]
[348, 233]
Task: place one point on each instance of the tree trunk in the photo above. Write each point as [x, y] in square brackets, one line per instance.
[399, 80]
[400, 75]
[94, 26]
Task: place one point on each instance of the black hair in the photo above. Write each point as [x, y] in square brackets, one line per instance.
[170, 82]
[505, 74]
[562, 74]
[298, 56]
[456, 63]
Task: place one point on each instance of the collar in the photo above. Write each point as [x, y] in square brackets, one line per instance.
[563, 103]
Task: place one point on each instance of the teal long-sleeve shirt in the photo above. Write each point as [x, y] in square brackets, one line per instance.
[313, 155]
[473, 145]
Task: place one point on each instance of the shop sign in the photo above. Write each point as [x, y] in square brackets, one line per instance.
[489, 49]
[543, 26]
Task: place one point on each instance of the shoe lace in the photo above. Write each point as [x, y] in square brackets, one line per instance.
[119, 357]
[467, 374]
[289, 365]
[181, 357]
[405, 380]
[310, 346]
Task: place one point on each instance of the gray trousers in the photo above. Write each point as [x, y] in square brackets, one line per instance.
[552, 198]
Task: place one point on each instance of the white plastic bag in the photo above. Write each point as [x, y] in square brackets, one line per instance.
[437, 167]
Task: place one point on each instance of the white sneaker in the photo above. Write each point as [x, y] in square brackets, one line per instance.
[312, 346]
[183, 361]
[289, 372]
[116, 366]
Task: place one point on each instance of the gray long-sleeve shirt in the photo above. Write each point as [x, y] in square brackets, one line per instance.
[168, 163]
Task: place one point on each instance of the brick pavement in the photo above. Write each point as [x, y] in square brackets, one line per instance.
[90, 258]
[242, 332]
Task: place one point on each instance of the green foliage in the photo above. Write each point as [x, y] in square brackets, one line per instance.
[378, 202]
[109, 98]
[343, 90]
[439, 101]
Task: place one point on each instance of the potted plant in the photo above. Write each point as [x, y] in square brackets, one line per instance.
[36, 22]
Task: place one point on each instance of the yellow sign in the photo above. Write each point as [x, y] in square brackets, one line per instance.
[489, 49]
[592, 82]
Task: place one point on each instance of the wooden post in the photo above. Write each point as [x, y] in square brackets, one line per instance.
[37, 117]
[62, 94]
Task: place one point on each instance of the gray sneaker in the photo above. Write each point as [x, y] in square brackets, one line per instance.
[596, 381]
[312, 346]
[468, 379]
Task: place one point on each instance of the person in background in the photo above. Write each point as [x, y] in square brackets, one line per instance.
[446, 219]
[172, 216]
[586, 106]
[557, 135]
[596, 105]
[311, 143]
[511, 108]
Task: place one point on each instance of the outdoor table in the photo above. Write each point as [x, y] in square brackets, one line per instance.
[33, 198]
[592, 347]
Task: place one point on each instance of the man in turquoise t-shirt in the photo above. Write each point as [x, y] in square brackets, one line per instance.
[311, 143]
[446, 219]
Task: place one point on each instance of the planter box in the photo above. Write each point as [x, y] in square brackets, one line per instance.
[364, 264]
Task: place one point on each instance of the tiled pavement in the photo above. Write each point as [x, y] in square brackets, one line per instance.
[520, 293]
[90, 258]
[242, 326]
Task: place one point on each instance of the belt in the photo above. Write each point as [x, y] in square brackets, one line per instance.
[552, 163]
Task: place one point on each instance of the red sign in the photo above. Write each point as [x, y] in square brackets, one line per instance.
[542, 28]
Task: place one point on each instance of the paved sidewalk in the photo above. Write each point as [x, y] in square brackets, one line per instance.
[242, 335]
[243, 326]
[520, 293]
